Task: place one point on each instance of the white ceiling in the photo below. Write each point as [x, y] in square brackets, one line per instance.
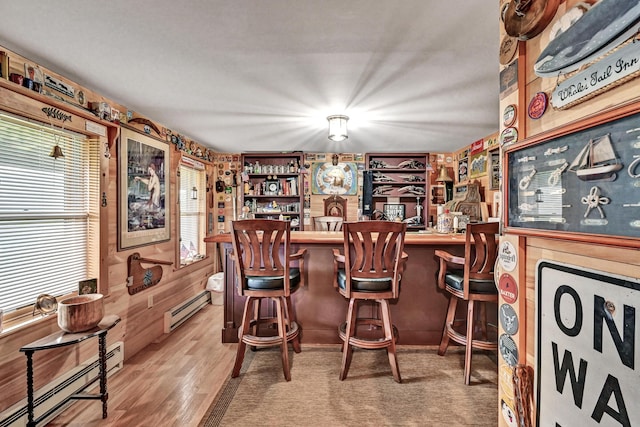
[263, 75]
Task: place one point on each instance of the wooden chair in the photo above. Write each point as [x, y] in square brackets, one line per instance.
[335, 206]
[370, 269]
[328, 223]
[262, 257]
[470, 278]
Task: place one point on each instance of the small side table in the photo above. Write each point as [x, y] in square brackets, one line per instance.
[61, 339]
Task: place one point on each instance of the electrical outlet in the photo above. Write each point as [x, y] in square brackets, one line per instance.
[150, 301]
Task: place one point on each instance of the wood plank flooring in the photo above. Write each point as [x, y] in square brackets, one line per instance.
[169, 383]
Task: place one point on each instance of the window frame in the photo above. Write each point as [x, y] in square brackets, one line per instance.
[188, 163]
[30, 108]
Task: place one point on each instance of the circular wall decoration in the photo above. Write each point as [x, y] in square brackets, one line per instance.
[507, 256]
[508, 319]
[508, 289]
[538, 105]
[338, 179]
[508, 49]
[508, 349]
[509, 115]
[525, 19]
[509, 136]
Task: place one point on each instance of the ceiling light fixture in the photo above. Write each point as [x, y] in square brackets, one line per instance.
[338, 127]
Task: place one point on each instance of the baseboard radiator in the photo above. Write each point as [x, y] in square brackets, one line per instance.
[62, 387]
[182, 312]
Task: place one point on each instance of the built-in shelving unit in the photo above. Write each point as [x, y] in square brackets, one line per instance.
[400, 187]
[272, 187]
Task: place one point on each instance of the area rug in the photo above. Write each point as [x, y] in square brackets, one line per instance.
[432, 392]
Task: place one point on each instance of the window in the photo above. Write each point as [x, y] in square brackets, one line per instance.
[49, 211]
[192, 211]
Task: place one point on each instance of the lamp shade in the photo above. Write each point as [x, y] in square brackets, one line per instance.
[338, 127]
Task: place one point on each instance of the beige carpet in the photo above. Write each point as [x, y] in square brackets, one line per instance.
[432, 392]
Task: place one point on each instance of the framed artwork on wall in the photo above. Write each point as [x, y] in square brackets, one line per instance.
[478, 164]
[143, 190]
[340, 179]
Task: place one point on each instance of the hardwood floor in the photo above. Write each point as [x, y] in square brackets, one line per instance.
[169, 383]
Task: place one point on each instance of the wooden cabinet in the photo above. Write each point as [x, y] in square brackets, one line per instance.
[272, 187]
[400, 185]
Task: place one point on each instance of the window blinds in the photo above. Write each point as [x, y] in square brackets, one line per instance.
[192, 214]
[48, 211]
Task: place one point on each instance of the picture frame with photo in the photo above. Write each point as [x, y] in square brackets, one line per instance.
[144, 210]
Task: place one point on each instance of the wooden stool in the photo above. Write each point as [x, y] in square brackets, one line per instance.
[370, 269]
[470, 278]
[261, 251]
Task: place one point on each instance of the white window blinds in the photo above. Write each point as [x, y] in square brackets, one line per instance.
[49, 211]
[192, 214]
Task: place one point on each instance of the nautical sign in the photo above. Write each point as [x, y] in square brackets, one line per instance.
[615, 69]
[587, 360]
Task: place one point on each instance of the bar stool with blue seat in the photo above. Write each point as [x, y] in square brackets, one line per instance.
[471, 279]
[370, 269]
[262, 259]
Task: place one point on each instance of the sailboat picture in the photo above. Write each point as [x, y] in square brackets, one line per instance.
[596, 160]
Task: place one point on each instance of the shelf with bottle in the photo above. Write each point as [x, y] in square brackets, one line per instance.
[272, 185]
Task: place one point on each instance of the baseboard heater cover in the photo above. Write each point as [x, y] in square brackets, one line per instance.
[182, 312]
[62, 387]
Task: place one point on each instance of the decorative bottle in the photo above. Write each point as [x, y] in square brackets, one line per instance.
[445, 222]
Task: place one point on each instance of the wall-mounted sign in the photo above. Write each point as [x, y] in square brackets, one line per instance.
[508, 319]
[508, 350]
[537, 105]
[509, 136]
[587, 358]
[507, 256]
[508, 288]
[616, 68]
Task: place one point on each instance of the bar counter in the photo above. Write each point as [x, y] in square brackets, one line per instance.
[418, 313]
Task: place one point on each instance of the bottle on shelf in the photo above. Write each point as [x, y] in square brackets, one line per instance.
[445, 222]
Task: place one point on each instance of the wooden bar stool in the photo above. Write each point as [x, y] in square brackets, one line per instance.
[262, 257]
[470, 278]
[370, 269]
[328, 223]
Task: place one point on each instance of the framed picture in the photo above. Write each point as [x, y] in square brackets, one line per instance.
[143, 190]
[579, 182]
[393, 211]
[341, 179]
[478, 164]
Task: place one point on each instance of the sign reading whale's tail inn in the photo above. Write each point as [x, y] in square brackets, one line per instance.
[587, 361]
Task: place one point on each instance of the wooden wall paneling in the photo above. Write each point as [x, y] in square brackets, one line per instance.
[140, 326]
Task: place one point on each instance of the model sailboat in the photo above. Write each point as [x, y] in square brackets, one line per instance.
[596, 160]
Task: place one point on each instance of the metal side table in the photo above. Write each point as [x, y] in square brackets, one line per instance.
[61, 339]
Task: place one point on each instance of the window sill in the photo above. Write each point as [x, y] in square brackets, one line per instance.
[191, 263]
[23, 323]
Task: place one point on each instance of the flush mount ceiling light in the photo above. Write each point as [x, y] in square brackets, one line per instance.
[338, 127]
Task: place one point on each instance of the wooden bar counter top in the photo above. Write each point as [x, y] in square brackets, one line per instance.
[418, 313]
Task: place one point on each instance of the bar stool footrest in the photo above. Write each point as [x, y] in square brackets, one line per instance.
[269, 341]
[366, 342]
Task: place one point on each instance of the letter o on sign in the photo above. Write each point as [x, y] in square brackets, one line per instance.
[569, 294]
